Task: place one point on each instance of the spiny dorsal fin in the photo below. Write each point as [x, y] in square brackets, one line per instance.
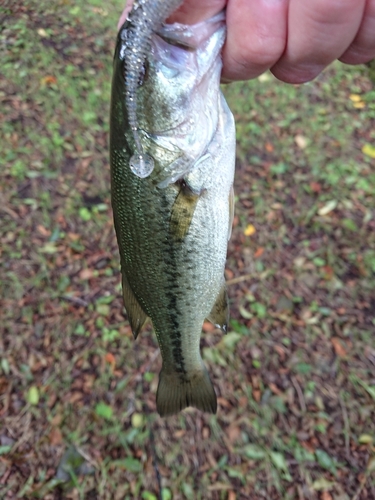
[219, 314]
[137, 318]
[182, 212]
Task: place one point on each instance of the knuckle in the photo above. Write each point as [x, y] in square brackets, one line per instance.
[296, 74]
[262, 50]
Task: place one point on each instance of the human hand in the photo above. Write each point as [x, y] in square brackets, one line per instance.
[295, 39]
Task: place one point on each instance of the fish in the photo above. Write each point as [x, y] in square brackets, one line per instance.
[172, 157]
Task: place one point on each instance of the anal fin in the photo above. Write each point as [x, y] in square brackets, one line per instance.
[219, 314]
[136, 315]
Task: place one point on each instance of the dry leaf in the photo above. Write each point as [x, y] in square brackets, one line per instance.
[55, 436]
[326, 496]
[369, 150]
[48, 80]
[328, 207]
[86, 274]
[250, 230]
[109, 357]
[208, 327]
[339, 350]
[258, 252]
[301, 141]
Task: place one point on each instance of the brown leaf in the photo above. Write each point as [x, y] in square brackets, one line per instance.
[75, 396]
[256, 395]
[86, 274]
[280, 351]
[258, 252]
[55, 436]
[274, 388]
[326, 496]
[337, 346]
[42, 230]
[233, 433]
[223, 402]
[315, 187]
[229, 274]
[208, 327]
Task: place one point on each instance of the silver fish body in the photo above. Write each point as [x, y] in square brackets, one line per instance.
[173, 223]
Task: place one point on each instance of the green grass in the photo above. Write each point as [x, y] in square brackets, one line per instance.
[295, 374]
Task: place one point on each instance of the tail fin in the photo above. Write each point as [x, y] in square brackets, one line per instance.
[176, 392]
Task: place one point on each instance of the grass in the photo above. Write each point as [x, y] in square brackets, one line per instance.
[295, 374]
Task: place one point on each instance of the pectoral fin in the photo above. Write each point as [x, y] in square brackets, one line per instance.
[182, 212]
[136, 316]
[219, 314]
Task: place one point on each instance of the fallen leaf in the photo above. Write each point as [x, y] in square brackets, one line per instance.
[326, 496]
[301, 141]
[365, 439]
[109, 357]
[315, 187]
[274, 388]
[337, 346]
[48, 80]
[43, 33]
[42, 230]
[208, 327]
[355, 98]
[369, 150]
[137, 420]
[250, 230]
[223, 402]
[269, 147]
[258, 252]
[33, 395]
[86, 274]
[328, 207]
[55, 436]
[256, 395]
[233, 432]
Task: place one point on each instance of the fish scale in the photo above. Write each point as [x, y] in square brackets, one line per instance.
[172, 225]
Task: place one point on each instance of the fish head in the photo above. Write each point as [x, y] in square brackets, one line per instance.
[183, 61]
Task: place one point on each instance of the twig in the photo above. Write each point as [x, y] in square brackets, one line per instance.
[155, 462]
[347, 428]
[239, 279]
[149, 423]
[299, 393]
[74, 300]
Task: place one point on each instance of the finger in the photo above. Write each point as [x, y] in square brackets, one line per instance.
[125, 13]
[194, 11]
[319, 31]
[362, 48]
[256, 37]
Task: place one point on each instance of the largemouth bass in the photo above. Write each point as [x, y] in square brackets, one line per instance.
[172, 149]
